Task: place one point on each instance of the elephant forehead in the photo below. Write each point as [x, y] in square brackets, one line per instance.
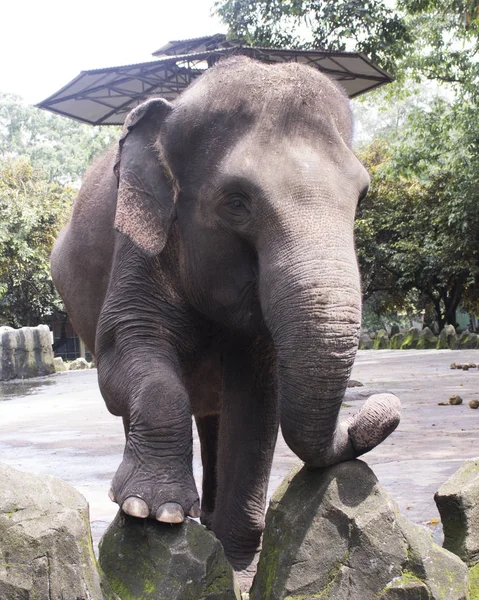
[239, 93]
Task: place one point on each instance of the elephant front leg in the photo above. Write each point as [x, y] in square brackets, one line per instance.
[155, 477]
[247, 437]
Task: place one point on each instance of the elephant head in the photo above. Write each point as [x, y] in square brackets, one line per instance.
[252, 168]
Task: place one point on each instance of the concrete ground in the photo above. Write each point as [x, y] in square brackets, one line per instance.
[60, 426]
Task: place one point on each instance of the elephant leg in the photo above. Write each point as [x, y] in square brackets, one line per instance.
[247, 437]
[208, 433]
[155, 477]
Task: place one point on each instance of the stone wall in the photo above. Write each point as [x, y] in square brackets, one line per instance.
[417, 339]
[25, 352]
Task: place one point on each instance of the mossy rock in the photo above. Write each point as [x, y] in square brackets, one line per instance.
[334, 534]
[411, 339]
[397, 341]
[466, 341]
[381, 341]
[365, 342]
[457, 502]
[45, 542]
[427, 340]
[447, 338]
[474, 582]
[147, 560]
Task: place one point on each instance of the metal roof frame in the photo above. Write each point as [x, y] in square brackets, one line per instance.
[105, 96]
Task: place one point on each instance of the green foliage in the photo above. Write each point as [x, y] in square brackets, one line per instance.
[367, 26]
[417, 230]
[63, 148]
[32, 212]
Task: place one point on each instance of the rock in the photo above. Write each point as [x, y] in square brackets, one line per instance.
[453, 366]
[59, 364]
[474, 580]
[406, 587]
[427, 340]
[352, 383]
[466, 341]
[147, 560]
[447, 337]
[335, 534]
[473, 403]
[365, 342]
[372, 335]
[465, 367]
[455, 400]
[443, 403]
[45, 543]
[397, 341]
[25, 352]
[78, 364]
[411, 339]
[458, 366]
[381, 341]
[472, 365]
[394, 330]
[458, 505]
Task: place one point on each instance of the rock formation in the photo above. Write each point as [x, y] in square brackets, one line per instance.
[45, 543]
[335, 534]
[147, 560]
[25, 352]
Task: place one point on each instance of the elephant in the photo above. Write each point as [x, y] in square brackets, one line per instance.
[210, 267]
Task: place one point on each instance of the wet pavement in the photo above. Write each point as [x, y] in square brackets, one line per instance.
[59, 425]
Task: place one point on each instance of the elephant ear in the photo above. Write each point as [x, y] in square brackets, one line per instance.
[145, 205]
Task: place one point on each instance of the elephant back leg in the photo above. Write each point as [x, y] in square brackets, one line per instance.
[82, 255]
[203, 380]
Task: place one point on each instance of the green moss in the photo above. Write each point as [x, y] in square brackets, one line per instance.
[397, 341]
[474, 581]
[411, 340]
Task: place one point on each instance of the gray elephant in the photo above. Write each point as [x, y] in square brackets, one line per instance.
[210, 266]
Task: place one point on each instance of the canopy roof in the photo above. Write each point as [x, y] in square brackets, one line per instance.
[105, 96]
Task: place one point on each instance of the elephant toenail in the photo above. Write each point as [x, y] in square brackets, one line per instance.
[135, 507]
[171, 512]
[195, 512]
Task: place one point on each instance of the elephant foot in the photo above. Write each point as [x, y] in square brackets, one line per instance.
[246, 573]
[161, 489]
[378, 418]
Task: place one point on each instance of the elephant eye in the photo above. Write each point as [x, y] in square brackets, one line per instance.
[234, 209]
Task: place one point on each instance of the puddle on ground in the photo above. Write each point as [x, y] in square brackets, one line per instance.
[22, 387]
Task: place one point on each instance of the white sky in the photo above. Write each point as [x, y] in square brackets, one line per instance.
[45, 44]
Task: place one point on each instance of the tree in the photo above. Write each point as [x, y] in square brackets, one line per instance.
[63, 148]
[32, 212]
[368, 26]
[418, 240]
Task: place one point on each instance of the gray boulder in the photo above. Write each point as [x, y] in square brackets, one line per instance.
[397, 341]
[25, 352]
[45, 544]
[394, 330]
[365, 342]
[446, 338]
[147, 560]
[382, 340]
[466, 341]
[335, 534]
[60, 366]
[427, 340]
[458, 504]
[78, 364]
[411, 339]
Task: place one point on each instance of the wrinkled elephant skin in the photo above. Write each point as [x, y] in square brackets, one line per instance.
[210, 266]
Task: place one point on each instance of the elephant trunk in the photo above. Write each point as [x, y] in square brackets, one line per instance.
[311, 304]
